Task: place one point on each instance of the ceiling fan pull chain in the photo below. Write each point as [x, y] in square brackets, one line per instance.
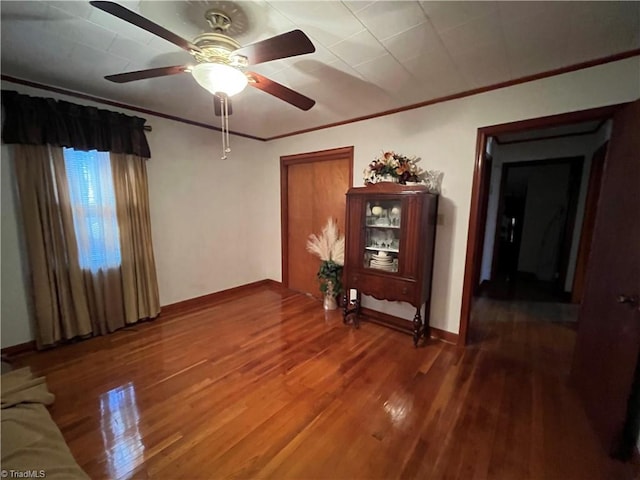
[224, 138]
[224, 113]
[226, 121]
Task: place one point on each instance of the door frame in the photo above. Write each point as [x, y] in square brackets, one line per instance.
[481, 176]
[285, 162]
[482, 221]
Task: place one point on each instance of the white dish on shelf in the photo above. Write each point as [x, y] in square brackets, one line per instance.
[386, 269]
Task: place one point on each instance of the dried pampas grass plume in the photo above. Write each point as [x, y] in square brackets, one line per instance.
[329, 246]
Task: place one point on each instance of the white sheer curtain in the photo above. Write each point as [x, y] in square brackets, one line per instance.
[93, 205]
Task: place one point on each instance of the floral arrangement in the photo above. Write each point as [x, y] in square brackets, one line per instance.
[329, 247]
[400, 168]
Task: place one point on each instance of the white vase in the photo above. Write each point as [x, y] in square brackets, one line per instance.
[389, 178]
[433, 180]
[329, 298]
[330, 302]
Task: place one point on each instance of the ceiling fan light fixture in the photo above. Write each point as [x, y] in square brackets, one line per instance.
[219, 78]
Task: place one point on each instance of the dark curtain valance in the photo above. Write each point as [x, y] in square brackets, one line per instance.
[40, 121]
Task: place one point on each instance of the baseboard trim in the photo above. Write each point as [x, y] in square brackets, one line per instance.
[7, 353]
[406, 326]
[216, 297]
[444, 336]
[169, 310]
[397, 323]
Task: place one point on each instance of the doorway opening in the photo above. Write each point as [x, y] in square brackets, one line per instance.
[537, 183]
[539, 139]
[606, 379]
[535, 209]
[529, 247]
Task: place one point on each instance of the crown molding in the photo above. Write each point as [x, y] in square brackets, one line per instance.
[529, 78]
[475, 91]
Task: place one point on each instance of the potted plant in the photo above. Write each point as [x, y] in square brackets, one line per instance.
[329, 247]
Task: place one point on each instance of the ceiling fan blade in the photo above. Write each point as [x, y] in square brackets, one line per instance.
[139, 21]
[217, 108]
[277, 90]
[286, 45]
[142, 74]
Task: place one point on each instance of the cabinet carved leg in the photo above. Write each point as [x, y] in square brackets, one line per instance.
[345, 307]
[426, 333]
[417, 327]
[354, 311]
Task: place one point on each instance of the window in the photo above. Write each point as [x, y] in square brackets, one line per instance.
[93, 205]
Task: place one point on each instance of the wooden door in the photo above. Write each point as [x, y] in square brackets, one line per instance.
[608, 340]
[588, 222]
[313, 190]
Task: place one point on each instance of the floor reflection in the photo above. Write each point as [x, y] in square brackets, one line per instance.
[119, 418]
[398, 407]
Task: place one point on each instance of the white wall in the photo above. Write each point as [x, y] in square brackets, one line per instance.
[14, 299]
[444, 135]
[203, 214]
[205, 217]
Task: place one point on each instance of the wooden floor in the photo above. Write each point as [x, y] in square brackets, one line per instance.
[267, 386]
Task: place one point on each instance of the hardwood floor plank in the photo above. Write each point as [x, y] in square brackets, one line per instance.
[263, 383]
[480, 420]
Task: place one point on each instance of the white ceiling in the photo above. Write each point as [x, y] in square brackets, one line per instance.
[370, 56]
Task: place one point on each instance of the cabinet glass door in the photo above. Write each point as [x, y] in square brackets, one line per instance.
[382, 234]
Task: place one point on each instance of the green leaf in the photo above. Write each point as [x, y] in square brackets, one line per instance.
[330, 273]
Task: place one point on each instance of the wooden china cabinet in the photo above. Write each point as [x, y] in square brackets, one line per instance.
[390, 240]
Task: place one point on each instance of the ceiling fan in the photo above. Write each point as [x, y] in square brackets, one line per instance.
[221, 62]
[218, 55]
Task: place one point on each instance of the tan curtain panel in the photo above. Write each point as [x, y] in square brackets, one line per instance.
[59, 299]
[139, 281]
[69, 300]
[105, 298]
